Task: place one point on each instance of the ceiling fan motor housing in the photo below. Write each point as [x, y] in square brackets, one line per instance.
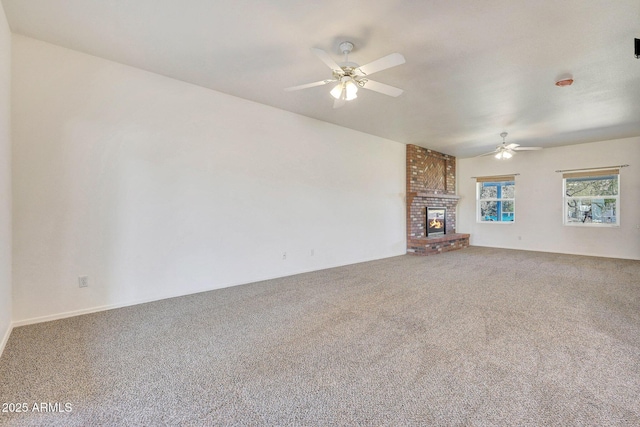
[346, 47]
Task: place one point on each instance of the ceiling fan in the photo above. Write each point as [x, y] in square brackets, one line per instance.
[504, 151]
[350, 76]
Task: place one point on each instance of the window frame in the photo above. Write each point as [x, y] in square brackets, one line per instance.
[499, 181]
[594, 175]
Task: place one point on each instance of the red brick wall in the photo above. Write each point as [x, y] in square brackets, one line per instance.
[418, 159]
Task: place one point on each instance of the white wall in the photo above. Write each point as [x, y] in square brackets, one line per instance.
[153, 187]
[5, 180]
[538, 224]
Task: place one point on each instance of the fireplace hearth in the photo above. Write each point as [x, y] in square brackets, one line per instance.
[436, 221]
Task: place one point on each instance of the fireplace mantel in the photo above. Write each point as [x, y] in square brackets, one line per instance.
[433, 195]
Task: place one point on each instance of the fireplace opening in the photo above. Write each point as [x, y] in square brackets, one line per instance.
[436, 221]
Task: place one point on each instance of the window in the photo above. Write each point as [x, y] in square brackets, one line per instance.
[592, 198]
[496, 198]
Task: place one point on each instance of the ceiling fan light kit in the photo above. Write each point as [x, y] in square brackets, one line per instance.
[503, 155]
[346, 90]
[337, 91]
[350, 76]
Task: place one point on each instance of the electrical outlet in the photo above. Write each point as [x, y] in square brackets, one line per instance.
[284, 255]
[83, 281]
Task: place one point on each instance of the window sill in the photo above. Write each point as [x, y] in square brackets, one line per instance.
[593, 225]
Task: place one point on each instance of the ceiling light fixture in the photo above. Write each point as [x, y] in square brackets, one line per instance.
[351, 90]
[346, 90]
[336, 92]
[503, 155]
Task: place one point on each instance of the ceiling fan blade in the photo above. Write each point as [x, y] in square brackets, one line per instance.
[492, 153]
[382, 88]
[511, 146]
[527, 148]
[308, 85]
[324, 57]
[382, 64]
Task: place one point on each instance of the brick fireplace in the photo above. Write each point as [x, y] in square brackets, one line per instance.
[431, 182]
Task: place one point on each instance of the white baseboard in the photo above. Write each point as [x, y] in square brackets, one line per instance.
[89, 310]
[5, 338]
[547, 251]
[64, 315]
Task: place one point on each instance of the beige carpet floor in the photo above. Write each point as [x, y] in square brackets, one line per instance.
[474, 337]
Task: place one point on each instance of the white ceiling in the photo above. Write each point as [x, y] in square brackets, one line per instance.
[474, 68]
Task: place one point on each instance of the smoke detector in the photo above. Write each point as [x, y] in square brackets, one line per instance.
[564, 82]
